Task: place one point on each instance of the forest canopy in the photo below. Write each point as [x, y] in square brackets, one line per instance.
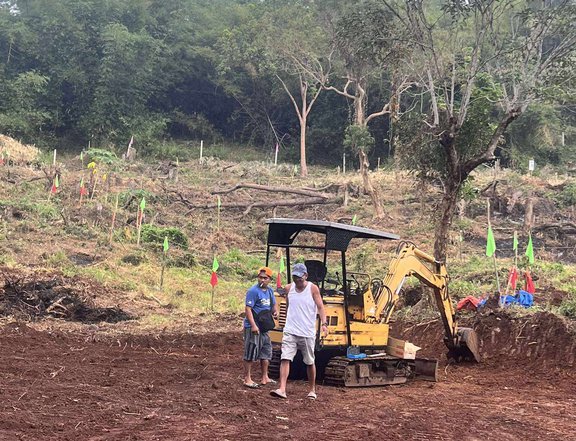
[246, 71]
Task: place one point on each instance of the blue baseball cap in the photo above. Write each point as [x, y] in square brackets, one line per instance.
[299, 270]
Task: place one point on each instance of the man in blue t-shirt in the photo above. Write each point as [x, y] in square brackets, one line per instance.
[257, 344]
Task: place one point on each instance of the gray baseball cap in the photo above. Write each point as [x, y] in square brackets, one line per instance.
[299, 270]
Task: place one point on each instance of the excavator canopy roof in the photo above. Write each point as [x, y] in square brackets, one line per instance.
[282, 232]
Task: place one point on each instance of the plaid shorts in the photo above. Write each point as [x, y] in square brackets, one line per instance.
[257, 346]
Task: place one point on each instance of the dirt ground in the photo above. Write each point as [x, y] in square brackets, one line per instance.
[86, 385]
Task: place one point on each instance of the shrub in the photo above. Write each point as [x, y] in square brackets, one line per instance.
[132, 198]
[185, 260]
[155, 235]
[102, 156]
[568, 307]
[134, 259]
[567, 197]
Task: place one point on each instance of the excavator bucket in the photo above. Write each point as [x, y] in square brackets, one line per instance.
[466, 348]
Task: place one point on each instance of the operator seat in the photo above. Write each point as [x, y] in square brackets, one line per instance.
[316, 271]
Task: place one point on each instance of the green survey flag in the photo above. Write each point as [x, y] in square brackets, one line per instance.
[282, 265]
[490, 243]
[354, 220]
[530, 250]
[515, 241]
[165, 246]
[142, 204]
[56, 182]
[215, 265]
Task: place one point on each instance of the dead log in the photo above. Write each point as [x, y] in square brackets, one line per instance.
[567, 228]
[303, 192]
[261, 204]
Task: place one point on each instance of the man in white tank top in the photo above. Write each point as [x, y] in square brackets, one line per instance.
[303, 303]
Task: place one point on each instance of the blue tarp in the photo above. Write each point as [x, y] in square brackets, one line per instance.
[523, 298]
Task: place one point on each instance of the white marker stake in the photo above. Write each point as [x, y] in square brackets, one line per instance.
[344, 163]
[201, 149]
[54, 162]
[276, 155]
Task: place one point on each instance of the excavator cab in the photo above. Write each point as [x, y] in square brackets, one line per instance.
[359, 306]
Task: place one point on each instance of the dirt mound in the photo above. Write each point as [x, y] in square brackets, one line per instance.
[16, 151]
[538, 341]
[33, 296]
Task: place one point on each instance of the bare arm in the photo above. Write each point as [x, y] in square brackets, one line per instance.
[320, 305]
[250, 317]
[287, 290]
[275, 309]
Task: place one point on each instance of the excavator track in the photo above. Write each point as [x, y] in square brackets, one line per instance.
[274, 367]
[377, 371]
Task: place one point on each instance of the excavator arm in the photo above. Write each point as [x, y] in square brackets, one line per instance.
[462, 343]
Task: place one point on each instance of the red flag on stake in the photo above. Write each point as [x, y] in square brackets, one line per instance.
[83, 191]
[512, 278]
[281, 269]
[214, 277]
[529, 286]
[55, 185]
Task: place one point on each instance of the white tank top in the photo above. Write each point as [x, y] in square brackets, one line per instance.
[302, 311]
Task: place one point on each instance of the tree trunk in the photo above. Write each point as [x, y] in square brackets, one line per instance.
[303, 166]
[364, 170]
[447, 210]
[529, 213]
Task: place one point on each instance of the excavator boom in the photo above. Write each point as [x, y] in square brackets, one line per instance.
[462, 343]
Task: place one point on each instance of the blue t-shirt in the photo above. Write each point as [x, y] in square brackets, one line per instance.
[259, 301]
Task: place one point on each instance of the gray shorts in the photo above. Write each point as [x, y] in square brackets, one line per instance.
[257, 346]
[292, 343]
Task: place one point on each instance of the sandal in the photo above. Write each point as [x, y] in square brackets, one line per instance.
[270, 381]
[252, 385]
[278, 394]
[311, 396]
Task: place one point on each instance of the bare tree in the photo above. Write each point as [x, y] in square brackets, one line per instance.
[521, 51]
[300, 57]
[311, 75]
[366, 42]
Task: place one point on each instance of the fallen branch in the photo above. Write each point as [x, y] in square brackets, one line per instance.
[282, 203]
[565, 228]
[303, 192]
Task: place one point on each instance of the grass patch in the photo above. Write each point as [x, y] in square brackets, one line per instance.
[568, 307]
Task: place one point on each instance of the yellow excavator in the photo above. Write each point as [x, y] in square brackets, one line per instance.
[358, 350]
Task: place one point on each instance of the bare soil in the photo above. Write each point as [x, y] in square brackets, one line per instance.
[85, 384]
[74, 366]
